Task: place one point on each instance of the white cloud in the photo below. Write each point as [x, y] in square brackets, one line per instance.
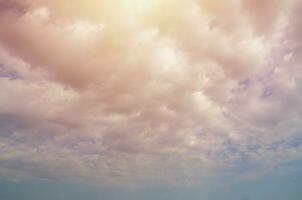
[182, 92]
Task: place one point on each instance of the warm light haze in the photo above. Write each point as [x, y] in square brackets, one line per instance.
[150, 99]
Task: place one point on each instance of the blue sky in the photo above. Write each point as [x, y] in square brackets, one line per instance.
[287, 184]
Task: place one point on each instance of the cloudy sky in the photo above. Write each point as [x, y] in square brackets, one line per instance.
[151, 99]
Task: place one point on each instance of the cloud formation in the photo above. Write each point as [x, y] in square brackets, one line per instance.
[148, 92]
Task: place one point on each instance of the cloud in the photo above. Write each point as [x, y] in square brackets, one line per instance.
[130, 93]
[12, 6]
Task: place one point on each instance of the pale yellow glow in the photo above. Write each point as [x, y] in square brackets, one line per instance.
[139, 7]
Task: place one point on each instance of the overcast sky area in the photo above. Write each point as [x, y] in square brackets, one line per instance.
[150, 99]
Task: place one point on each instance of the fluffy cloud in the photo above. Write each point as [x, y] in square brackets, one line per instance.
[148, 92]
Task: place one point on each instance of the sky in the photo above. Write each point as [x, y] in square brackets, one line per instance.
[150, 99]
